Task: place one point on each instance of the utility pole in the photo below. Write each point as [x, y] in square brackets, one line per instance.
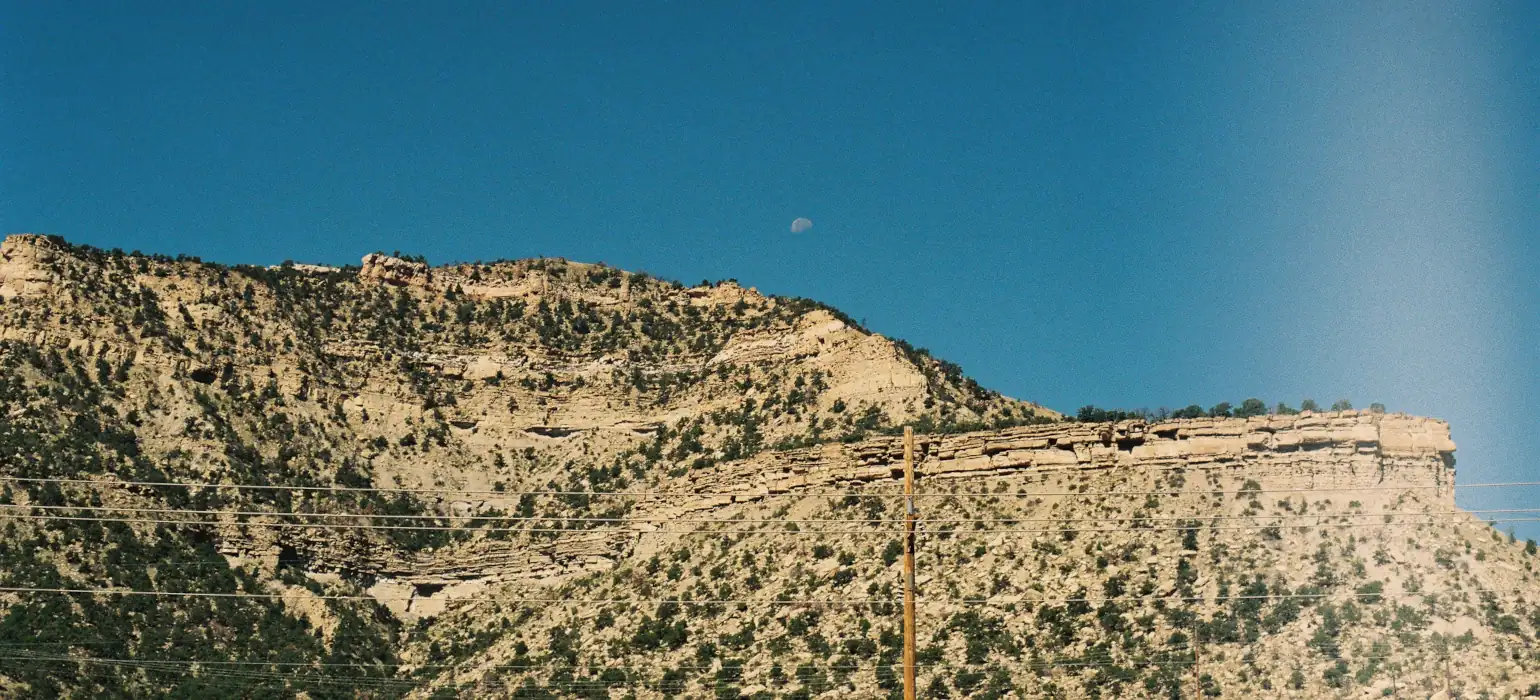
[1197, 657]
[909, 517]
[1446, 666]
[1433, 604]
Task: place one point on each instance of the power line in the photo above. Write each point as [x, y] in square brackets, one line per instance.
[787, 493]
[643, 528]
[1184, 528]
[217, 668]
[588, 683]
[553, 664]
[1103, 660]
[1328, 645]
[593, 684]
[1216, 599]
[778, 521]
[965, 601]
[1106, 655]
[522, 601]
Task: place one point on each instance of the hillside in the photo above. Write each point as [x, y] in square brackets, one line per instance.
[544, 478]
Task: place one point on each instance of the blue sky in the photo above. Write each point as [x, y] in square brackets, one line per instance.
[1128, 204]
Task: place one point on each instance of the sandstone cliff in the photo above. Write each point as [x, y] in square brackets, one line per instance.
[550, 431]
[24, 266]
[1330, 453]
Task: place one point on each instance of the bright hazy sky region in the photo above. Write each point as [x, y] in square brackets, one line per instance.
[1127, 204]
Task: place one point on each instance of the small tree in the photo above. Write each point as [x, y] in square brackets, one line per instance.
[1193, 411]
[1342, 405]
[1309, 405]
[1251, 407]
[1220, 411]
[1284, 409]
[1376, 408]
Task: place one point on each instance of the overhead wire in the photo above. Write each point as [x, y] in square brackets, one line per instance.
[1465, 515]
[788, 492]
[799, 677]
[734, 520]
[683, 601]
[643, 528]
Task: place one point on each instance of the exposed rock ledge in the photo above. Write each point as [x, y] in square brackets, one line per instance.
[1318, 451]
[394, 271]
[24, 266]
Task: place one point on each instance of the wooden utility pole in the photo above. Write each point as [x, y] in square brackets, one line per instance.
[1197, 657]
[1446, 666]
[909, 517]
[1433, 604]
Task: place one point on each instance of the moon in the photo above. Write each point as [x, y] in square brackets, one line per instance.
[801, 224]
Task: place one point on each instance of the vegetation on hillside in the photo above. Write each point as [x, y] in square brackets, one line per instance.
[1101, 584]
[1247, 409]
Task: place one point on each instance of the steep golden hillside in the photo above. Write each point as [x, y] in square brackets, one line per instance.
[543, 478]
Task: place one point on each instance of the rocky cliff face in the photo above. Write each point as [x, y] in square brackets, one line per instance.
[24, 266]
[559, 431]
[1328, 451]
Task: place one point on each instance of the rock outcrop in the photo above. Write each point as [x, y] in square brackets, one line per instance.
[394, 271]
[1330, 450]
[1315, 452]
[24, 266]
[542, 463]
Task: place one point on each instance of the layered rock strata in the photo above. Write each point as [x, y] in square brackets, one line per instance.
[1319, 452]
[1310, 450]
[24, 263]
